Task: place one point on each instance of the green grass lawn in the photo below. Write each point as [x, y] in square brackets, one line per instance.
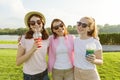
[8, 68]
[9, 71]
[110, 70]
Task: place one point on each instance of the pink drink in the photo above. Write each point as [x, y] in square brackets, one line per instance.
[38, 38]
[38, 41]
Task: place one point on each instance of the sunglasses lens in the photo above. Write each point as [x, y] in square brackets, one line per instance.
[84, 25]
[57, 27]
[38, 22]
[79, 23]
[61, 26]
[33, 22]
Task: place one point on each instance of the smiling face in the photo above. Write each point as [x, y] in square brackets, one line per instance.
[58, 28]
[87, 27]
[35, 23]
[83, 26]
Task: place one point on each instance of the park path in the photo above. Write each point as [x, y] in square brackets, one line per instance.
[111, 47]
[12, 46]
[105, 47]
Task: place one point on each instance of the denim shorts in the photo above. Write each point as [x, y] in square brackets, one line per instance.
[39, 76]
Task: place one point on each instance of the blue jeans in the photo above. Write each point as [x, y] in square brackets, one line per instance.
[39, 76]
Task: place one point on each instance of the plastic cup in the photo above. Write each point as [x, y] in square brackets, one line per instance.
[38, 41]
[89, 51]
[90, 48]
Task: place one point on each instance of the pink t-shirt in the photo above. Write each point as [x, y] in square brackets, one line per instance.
[37, 62]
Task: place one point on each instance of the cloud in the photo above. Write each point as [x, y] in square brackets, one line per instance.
[70, 11]
[12, 13]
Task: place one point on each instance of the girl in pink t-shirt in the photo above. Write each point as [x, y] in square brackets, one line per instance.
[33, 57]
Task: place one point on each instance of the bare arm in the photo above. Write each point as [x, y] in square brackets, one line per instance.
[22, 57]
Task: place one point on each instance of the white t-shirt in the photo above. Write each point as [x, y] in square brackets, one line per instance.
[62, 57]
[80, 52]
[37, 62]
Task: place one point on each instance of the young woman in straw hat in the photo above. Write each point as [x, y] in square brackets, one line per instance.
[34, 58]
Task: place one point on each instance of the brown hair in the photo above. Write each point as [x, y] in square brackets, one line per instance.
[65, 29]
[93, 27]
[29, 33]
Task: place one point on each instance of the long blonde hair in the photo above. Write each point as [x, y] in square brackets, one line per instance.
[93, 27]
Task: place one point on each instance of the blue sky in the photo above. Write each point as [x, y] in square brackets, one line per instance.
[70, 11]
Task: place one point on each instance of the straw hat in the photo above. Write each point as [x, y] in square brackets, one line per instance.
[31, 13]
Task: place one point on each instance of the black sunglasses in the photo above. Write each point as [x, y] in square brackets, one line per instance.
[84, 25]
[57, 26]
[33, 22]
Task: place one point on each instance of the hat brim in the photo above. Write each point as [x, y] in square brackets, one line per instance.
[31, 13]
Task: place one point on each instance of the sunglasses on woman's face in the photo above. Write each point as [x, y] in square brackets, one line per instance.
[57, 26]
[34, 22]
[83, 25]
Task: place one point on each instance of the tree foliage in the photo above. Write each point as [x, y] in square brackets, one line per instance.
[8, 31]
[106, 29]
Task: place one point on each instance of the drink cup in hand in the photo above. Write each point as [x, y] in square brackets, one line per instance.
[90, 49]
[38, 39]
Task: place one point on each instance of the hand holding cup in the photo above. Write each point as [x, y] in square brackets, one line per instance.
[38, 38]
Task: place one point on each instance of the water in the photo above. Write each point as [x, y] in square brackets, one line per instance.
[9, 37]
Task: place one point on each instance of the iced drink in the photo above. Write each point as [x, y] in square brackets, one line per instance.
[89, 51]
[38, 41]
[38, 38]
[90, 48]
